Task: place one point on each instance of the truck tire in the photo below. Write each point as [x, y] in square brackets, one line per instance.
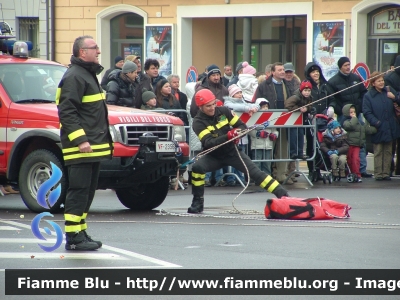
[35, 170]
[144, 196]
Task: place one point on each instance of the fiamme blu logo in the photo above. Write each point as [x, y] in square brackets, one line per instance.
[52, 196]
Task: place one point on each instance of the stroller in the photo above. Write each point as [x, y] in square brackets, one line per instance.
[322, 165]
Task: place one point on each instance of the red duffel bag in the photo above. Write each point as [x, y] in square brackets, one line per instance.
[305, 209]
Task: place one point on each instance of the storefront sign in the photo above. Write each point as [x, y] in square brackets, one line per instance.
[158, 45]
[386, 21]
[328, 45]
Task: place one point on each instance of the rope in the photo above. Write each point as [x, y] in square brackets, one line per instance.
[246, 131]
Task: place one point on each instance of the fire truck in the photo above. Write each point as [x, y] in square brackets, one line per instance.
[148, 146]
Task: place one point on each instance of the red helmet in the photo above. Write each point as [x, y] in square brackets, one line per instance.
[203, 97]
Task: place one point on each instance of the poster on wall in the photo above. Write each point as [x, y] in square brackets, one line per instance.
[329, 44]
[158, 45]
[132, 49]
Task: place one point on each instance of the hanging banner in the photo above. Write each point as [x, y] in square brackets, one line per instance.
[158, 45]
[329, 44]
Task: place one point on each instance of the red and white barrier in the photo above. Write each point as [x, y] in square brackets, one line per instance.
[275, 118]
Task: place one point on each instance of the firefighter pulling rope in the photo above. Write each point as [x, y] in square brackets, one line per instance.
[213, 127]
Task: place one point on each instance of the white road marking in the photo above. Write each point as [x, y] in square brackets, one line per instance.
[159, 262]
[230, 245]
[8, 228]
[54, 255]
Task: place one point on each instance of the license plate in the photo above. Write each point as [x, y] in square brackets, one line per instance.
[165, 146]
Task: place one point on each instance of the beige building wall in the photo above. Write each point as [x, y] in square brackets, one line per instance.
[76, 17]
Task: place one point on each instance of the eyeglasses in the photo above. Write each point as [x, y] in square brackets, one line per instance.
[93, 47]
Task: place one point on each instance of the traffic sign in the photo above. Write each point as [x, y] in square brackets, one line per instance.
[362, 70]
[191, 75]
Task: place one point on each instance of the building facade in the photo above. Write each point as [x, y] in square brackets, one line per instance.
[183, 33]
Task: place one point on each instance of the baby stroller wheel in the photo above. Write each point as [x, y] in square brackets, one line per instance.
[330, 178]
[351, 177]
[324, 178]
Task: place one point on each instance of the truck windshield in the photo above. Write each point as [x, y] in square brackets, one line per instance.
[31, 82]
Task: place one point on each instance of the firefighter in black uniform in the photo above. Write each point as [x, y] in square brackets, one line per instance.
[215, 125]
[85, 138]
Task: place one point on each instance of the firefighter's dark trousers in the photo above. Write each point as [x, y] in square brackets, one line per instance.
[209, 163]
[82, 186]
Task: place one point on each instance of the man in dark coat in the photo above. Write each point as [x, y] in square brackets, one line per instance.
[213, 83]
[352, 92]
[392, 79]
[118, 63]
[122, 86]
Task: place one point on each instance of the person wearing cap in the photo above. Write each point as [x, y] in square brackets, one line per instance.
[293, 81]
[248, 83]
[149, 100]
[262, 142]
[214, 126]
[118, 63]
[351, 91]
[136, 60]
[238, 70]
[149, 79]
[213, 83]
[298, 101]
[228, 75]
[122, 86]
[335, 145]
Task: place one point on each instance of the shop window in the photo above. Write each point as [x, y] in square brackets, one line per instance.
[29, 31]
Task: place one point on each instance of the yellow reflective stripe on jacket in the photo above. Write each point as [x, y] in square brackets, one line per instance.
[84, 216]
[197, 175]
[58, 93]
[76, 134]
[93, 98]
[234, 120]
[222, 123]
[72, 218]
[87, 155]
[83, 226]
[94, 147]
[203, 133]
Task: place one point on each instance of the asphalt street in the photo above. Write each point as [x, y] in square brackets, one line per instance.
[218, 239]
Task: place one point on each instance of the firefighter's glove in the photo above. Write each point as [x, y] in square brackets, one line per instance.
[262, 134]
[273, 137]
[232, 134]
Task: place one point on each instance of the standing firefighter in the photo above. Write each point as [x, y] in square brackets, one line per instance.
[214, 126]
[85, 138]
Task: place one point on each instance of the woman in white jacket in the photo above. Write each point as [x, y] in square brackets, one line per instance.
[248, 83]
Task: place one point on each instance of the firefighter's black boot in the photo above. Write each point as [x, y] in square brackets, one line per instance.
[197, 205]
[89, 239]
[78, 242]
[280, 192]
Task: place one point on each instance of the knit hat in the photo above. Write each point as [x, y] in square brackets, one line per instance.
[147, 95]
[213, 69]
[342, 61]
[305, 85]
[313, 68]
[129, 67]
[248, 69]
[262, 101]
[332, 125]
[288, 67]
[118, 59]
[233, 89]
[239, 66]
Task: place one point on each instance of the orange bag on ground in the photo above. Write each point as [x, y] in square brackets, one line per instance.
[305, 209]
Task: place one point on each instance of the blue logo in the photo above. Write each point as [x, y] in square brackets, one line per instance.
[52, 199]
[36, 231]
[46, 187]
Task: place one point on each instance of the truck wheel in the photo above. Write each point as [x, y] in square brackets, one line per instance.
[144, 196]
[35, 170]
